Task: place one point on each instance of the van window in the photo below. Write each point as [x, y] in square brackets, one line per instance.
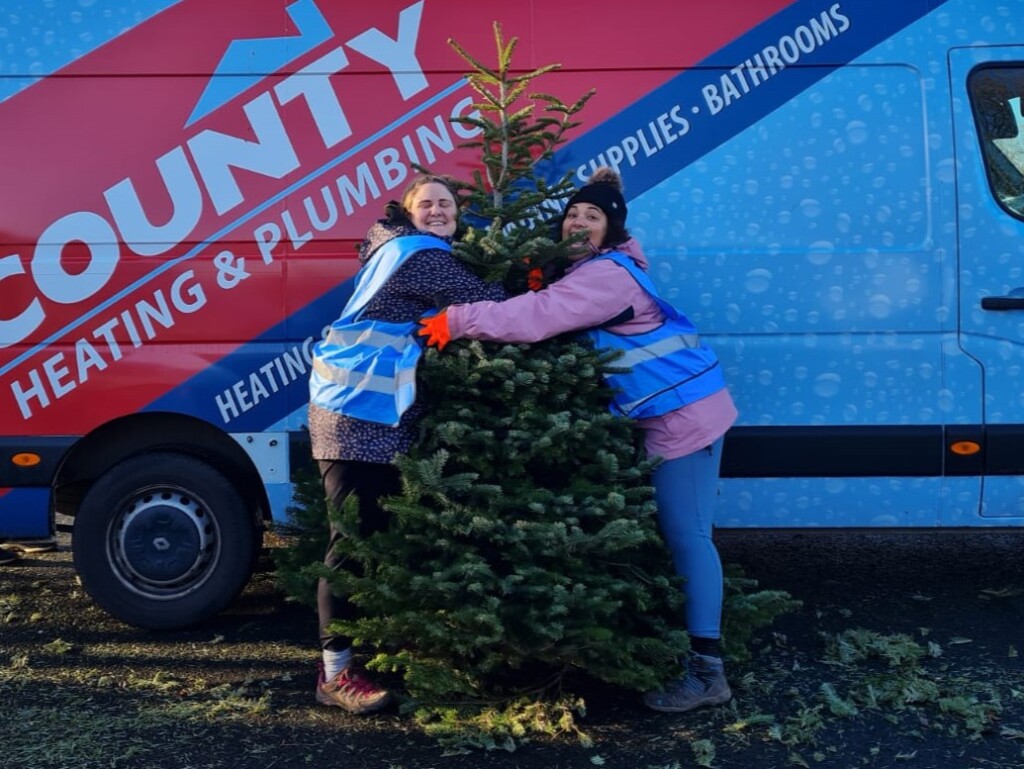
[996, 100]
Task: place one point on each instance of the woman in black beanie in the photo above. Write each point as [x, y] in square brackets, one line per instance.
[675, 391]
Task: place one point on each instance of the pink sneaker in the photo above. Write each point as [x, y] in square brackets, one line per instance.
[352, 691]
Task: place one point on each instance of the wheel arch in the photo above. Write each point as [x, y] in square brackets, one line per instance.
[150, 432]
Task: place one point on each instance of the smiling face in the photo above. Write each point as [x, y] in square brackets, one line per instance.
[585, 216]
[432, 209]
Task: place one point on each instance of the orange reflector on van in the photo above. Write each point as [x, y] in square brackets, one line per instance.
[26, 459]
[965, 448]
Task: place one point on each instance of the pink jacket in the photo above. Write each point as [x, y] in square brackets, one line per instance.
[590, 294]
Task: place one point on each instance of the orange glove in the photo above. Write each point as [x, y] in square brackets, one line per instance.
[435, 329]
[535, 279]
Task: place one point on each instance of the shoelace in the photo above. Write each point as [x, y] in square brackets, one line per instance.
[694, 684]
[358, 685]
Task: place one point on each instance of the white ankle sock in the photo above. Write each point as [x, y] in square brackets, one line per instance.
[335, 662]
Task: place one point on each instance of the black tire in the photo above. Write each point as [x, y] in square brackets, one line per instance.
[163, 541]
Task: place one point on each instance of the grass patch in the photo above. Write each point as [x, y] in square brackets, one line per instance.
[78, 690]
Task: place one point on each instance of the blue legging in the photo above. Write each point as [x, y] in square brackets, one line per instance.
[685, 490]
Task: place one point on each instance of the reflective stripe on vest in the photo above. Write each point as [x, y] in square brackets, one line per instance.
[668, 367]
[368, 382]
[366, 369]
[658, 349]
[366, 333]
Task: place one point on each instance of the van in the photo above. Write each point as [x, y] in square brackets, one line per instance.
[832, 191]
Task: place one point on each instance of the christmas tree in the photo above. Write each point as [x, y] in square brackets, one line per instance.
[524, 545]
[524, 548]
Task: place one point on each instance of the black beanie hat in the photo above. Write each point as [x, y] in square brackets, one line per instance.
[604, 190]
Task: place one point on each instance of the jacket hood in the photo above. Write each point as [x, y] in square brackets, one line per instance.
[630, 248]
[382, 231]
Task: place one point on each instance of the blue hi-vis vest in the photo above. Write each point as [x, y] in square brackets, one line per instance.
[668, 366]
[366, 369]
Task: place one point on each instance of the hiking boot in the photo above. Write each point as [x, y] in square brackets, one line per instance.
[8, 556]
[352, 691]
[703, 684]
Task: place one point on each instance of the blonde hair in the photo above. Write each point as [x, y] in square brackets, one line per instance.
[422, 179]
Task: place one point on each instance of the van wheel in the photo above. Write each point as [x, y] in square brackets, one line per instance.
[163, 541]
